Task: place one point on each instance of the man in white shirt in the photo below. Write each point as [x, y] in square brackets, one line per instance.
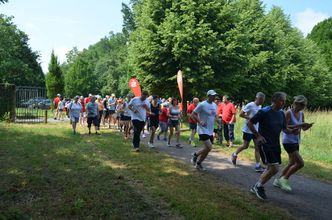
[205, 114]
[247, 113]
[139, 106]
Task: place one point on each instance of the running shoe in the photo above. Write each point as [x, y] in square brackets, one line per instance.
[276, 183]
[259, 191]
[193, 158]
[143, 135]
[150, 145]
[169, 145]
[200, 167]
[259, 169]
[284, 185]
[234, 157]
[178, 146]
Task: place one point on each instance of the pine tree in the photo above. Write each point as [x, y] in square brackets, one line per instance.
[54, 78]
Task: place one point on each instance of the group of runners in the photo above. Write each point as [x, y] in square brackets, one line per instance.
[207, 118]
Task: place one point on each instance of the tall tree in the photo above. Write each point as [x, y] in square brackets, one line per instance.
[321, 34]
[19, 65]
[54, 78]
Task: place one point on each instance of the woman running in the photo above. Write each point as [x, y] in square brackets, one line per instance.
[174, 115]
[154, 119]
[291, 142]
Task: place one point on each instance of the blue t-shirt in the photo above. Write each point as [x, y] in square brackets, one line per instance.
[271, 123]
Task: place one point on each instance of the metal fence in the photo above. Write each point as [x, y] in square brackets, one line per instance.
[31, 104]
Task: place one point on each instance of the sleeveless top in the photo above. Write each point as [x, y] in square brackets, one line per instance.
[293, 138]
[155, 110]
[174, 113]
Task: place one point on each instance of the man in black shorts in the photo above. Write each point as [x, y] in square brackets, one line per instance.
[205, 114]
[271, 121]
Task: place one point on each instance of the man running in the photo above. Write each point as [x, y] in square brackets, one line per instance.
[205, 114]
[247, 113]
[139, 106]
[271, 121]
[192, 123]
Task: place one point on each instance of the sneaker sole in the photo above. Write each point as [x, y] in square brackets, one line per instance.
[257, 195]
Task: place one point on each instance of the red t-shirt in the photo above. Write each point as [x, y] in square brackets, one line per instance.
[56, 101]
[227, 111]
[87, 100]
[190, 110]
[219, 110]
[83, 105]
[163, 116]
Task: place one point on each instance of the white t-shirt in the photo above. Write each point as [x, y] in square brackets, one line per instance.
[251, 109]
[138, 105]
[207, 114]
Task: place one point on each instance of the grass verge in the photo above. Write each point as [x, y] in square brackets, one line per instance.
[48, 173]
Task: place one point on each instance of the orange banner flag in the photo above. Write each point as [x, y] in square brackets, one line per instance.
[179, 78]
[135, 87]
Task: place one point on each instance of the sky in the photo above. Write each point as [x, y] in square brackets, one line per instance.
[60, 25]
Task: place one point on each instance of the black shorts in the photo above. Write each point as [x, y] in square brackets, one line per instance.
[93, 120]
[111, 112]
[270, 155]
[291, 148]
[154, 123]
[173, 123]
[106, 113]
[193, 126]
[205, 137]
[248, 137]
[125, 118]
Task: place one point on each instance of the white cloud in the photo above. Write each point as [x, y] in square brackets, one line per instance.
[61, 53]
[308, 18]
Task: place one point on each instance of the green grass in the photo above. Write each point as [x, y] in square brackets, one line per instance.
[48, 173]
[315, 148]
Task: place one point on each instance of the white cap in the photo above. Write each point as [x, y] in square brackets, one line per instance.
[211, 92]
[58, 94]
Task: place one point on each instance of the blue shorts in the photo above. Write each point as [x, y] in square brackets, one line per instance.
[74, 119]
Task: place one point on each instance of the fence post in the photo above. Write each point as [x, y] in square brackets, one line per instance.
[45, 116]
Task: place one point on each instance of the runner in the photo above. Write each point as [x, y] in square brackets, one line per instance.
[100, 109]
[74, 108]
[154, 119]
[247, 113]
[291, 142]
[92, 113]
[61, 107]
[111, 108]
[83, 113]
[192, 123]
[271, 121]
[174, 115]
[163, 121]
[205, 114]
[126, 117]
[138, 106]
[55, 104]
[119, 111]
[106, 110]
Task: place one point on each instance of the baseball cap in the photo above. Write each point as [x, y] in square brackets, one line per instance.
[211, 92]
